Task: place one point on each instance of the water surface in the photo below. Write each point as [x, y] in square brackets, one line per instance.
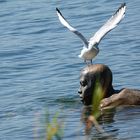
[39, 67]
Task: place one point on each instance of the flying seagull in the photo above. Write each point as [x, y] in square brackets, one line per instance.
[90, 49]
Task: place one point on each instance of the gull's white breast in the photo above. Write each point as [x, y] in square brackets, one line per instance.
[88, 54]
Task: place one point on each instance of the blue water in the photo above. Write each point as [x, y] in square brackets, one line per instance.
[39, 67]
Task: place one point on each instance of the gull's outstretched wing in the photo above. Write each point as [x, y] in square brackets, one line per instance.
[109, 25]
[66, 24]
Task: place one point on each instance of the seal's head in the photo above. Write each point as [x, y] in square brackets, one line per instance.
[88, 78]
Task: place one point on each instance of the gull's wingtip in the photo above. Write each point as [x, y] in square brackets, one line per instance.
[122, 7]
[59, 13]
[57, 9]
[123, 4]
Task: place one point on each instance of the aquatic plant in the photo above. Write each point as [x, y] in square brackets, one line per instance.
[98, 95]
[54, 128]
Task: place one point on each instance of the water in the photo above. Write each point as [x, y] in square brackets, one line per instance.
[39, 67]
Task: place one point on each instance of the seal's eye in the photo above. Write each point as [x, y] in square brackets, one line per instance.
[83, 83]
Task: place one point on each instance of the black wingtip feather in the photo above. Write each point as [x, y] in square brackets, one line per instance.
[57, 9]
[122, 5]
[59, 12]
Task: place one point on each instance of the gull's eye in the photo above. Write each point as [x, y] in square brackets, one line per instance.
[83, 83]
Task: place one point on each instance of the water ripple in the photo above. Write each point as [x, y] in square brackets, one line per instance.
[40, 68]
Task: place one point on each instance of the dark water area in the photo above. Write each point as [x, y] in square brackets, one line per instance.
[39, 66]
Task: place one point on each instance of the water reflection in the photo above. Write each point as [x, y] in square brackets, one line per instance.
[39, 65]
[109, 122]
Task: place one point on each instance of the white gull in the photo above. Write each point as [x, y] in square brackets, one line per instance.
[90, 49]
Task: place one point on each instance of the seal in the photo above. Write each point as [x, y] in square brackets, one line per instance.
[102, 74]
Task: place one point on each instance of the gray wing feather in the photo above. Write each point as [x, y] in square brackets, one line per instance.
[109, 25]
[66, 24]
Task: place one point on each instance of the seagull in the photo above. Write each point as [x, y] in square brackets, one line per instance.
[90, 48]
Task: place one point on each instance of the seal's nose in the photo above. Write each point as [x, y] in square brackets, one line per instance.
[79, 91]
